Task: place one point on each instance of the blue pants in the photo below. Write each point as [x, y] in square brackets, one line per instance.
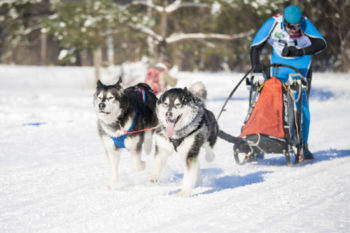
[306, 116]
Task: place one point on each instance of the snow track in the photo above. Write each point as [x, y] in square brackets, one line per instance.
[53, 170]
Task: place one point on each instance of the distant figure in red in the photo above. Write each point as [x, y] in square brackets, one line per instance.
[158, 78]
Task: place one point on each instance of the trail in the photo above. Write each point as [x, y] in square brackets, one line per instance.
[54, 173]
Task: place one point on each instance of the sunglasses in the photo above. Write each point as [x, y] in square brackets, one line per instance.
[295, 26]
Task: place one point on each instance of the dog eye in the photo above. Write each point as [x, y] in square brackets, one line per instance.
[110, 98]
[177, 105]
[165, 104]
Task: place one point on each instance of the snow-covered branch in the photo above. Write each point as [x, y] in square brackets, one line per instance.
[3, 2]
[191, 36]
[145, 3]
[146, 31]
[170, 8]
[178, 4]
[175, 37]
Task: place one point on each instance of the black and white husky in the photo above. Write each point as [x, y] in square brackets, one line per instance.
[126, 119]
[185, 126]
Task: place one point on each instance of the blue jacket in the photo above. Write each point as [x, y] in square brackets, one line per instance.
[273, 32]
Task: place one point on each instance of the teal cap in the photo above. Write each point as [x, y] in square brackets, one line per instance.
[292, 14]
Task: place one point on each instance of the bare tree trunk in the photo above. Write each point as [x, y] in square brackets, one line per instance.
[344, 56]
[150, 40]
[43, 48]
[344, 35]
[201, 61]
[110, 51]
[97, 63]
[84, 55]
[7, 56]
[176, 59]
[163, 31]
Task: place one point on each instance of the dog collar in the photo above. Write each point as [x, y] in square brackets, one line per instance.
[177, 141]
[190, 128]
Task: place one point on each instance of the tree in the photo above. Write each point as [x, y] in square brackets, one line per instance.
[187, 31]
[161, 33]
[20, 27]
[83, 24]
[333, 21]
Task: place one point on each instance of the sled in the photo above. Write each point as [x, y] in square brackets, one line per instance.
[273, 123]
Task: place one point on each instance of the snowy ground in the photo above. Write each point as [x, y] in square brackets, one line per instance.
[53, 171]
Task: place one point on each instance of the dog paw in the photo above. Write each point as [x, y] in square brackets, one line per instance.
[113, 183]
[113, 186]
[154, 179]
[209, 156]
[140, 166]
[182, 194]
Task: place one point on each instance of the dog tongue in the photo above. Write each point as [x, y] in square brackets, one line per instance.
[170, 129]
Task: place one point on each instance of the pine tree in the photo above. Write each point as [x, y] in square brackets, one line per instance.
[82, 25]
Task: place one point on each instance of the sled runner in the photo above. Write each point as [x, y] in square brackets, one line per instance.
[273, 123]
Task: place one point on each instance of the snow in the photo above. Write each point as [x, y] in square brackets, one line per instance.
[54, 173]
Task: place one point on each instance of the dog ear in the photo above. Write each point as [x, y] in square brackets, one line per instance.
[188, 97]
[187, 92]
[99, 84]
[160, 99]
[120, 80]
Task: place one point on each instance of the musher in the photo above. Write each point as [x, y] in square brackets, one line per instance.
[294, 39]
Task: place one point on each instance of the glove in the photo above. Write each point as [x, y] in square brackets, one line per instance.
[258, 68]
[292, 51]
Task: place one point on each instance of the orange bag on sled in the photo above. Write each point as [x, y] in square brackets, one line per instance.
[267, 115]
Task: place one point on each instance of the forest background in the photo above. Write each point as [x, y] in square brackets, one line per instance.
[206, 35]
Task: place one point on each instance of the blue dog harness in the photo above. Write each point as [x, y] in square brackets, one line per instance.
[119, 141]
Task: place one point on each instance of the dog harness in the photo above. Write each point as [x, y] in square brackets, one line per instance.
[119, 141]
[176, 142]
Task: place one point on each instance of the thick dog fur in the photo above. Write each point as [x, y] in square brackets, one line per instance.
[185, 126]
[117, 110]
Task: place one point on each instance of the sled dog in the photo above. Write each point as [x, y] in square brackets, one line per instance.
[126, 118]
[185, 126]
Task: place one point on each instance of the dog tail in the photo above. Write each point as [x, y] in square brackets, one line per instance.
[198, 90]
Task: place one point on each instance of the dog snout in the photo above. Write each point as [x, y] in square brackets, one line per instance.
[101, 106]
[169, 114]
